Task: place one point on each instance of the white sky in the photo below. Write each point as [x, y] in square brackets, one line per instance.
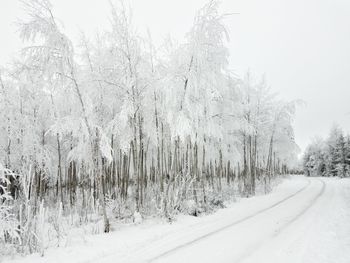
[303, 46]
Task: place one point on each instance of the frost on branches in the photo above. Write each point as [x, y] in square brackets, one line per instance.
[115, 129]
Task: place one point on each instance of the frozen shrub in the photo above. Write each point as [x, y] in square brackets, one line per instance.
[137, 218]
[9, 231]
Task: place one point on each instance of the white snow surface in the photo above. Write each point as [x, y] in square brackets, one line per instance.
[301, 220]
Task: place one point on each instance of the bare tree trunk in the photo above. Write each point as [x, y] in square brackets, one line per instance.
[59, 168]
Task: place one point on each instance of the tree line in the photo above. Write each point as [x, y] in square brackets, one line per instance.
[328, 157]
[114, 126]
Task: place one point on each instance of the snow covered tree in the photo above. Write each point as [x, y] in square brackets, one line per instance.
[52, 58]
[328, 157]
[314, 159]
[116, 127]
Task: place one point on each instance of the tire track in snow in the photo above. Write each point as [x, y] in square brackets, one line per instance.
[277, 232]
[302, 212]
[179, 247]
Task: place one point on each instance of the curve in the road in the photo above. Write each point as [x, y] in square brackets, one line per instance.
[229, 225]
[297, 216]
[289, 222]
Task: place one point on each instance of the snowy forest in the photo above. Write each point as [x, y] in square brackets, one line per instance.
[116, 129]
[328, 157]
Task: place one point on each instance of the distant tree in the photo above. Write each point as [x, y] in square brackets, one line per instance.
[314, 158]
[340, 156]
[329, 157]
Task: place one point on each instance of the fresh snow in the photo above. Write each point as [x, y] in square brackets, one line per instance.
[302, 220]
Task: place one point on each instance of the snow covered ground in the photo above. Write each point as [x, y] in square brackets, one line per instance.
[302, 220]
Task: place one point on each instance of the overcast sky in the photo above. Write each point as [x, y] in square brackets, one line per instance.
[303, 46]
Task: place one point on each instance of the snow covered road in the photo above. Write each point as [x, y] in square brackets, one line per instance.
[302, 220]
[241, 240]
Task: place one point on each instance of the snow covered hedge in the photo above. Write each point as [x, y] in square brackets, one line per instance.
[9, 232]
